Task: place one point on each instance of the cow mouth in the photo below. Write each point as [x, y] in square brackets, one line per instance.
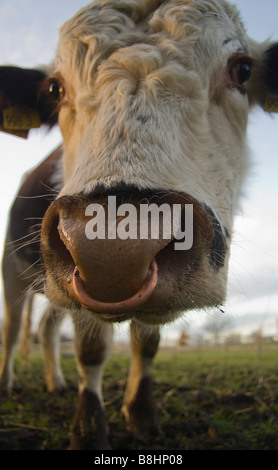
[120, 307]
[121, 276]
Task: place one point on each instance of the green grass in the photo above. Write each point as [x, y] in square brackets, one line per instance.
[206, 400]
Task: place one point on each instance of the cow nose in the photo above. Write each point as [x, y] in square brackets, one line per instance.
[106, 270]
[116, 273]
[102, 256]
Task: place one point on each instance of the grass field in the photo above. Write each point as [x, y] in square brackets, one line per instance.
[211, 399]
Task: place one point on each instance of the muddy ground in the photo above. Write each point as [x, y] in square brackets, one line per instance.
[200, 406]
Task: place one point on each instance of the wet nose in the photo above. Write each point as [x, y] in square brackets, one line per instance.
[106, 255]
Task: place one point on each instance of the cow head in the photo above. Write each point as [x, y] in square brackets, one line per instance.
[152, 99]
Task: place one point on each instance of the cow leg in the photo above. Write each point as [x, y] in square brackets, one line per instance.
[49, 334]
[26, 328]
[93, 347]
[138, 407]
[12, 323]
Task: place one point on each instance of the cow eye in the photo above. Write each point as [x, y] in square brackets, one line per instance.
[55, 90]
[240, 70]
[243, 72]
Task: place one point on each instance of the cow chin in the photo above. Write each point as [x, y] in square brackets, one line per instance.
[173, 296]
[117, 276]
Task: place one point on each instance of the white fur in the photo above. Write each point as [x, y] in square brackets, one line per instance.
[174, 73]
[147, 103]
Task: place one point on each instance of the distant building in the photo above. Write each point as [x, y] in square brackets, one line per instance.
[234, 338]
[183, 339]
[257, 336]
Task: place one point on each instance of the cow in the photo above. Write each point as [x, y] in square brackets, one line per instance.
[152, 98]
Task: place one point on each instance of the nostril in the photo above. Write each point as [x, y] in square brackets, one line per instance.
[219, 245]
[55, 252]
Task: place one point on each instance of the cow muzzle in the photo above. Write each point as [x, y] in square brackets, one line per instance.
[101, 257]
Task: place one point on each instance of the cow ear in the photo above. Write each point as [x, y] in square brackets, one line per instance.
[263, 86]
[270, 79]
[22, 106]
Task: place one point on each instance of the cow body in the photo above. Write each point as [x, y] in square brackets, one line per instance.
[154, 114]
[22, 269]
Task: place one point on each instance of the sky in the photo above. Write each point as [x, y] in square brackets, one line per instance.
[28, 37]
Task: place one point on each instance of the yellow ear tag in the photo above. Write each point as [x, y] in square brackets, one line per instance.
[18, 118]
[271, 104]
[22, 134]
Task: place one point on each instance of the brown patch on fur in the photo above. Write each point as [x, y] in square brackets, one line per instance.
[29, 207]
